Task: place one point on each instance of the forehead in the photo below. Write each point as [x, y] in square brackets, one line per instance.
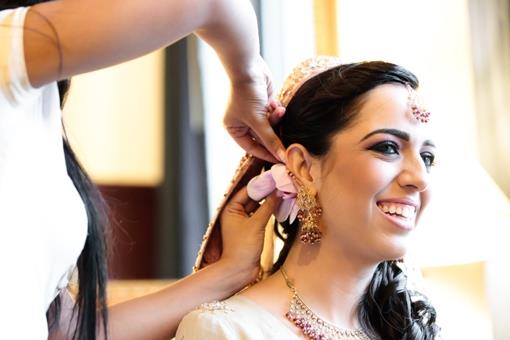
[388, 107]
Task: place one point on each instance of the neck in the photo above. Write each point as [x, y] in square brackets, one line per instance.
[328, 281]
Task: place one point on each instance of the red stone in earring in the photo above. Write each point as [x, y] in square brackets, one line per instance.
[308, 215]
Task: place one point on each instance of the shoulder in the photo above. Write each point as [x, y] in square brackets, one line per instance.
[209, 321]
[229, 319]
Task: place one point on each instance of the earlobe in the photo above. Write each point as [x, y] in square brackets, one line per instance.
[300, 163]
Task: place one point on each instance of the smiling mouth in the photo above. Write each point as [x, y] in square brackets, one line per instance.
[403, 211]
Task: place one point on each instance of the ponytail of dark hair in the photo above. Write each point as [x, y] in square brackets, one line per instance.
[92, 262]
[92, 268]
[323, 106]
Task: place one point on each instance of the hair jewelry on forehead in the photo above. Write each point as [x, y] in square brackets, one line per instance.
[419, 113]
[304, 71]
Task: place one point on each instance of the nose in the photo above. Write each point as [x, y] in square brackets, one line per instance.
[414, 173]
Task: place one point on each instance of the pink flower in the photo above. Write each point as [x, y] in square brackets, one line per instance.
[276, 178]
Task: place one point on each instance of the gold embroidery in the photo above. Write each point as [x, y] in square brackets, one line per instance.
[215, 306]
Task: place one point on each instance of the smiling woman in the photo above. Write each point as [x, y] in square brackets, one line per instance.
[379, 163]
[359, 157]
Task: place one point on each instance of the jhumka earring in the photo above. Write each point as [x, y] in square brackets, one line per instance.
[308, 215]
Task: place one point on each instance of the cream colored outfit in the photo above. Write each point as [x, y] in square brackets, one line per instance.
[236, 318]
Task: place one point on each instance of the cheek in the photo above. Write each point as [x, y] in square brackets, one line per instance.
[425, 197]
[355, 185]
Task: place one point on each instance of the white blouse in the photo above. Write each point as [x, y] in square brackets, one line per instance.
[43, 222]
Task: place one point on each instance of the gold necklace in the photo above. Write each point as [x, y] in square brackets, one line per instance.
[312, 325]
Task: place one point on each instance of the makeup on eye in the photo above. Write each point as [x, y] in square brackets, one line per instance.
[401, 135]
[386, 147]
[391, 148]
[428, 158]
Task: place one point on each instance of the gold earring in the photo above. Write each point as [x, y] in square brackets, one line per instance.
[308, 216]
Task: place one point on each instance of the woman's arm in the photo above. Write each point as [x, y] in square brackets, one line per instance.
[157, 315]
[86, 35]
[63, 38]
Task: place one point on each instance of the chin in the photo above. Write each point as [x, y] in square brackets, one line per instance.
[397, 252]
[393, 251]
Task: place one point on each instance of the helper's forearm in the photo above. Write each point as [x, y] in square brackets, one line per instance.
[85, 35]
[233, 34]
[156, 316]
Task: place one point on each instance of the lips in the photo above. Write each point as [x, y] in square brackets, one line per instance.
[402, 213]
[397, 209]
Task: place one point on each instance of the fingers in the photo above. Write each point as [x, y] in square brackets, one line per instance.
[275, 111]
[251, 146]
[242, 203]
[273, 104]
[261, 216]
[265, 133]
[241, 197]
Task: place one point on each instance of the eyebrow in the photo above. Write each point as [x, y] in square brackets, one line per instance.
[397, 133]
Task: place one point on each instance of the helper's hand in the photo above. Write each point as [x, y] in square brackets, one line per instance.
[251, 111]
[243, 224]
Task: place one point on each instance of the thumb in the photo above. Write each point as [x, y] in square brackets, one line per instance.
[264, 212]
[262, 128]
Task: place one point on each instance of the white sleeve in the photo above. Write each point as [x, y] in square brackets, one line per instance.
[14, 83]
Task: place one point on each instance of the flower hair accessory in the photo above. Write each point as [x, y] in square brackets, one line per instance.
[276, 178]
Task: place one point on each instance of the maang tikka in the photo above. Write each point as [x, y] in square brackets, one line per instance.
[417, 111]
[308, 215]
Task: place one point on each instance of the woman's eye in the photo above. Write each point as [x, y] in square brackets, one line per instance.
[428, 159]
[386, 148]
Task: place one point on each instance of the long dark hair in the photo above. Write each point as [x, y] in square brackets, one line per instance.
[92, 262]
[323, 106]
[90, 308]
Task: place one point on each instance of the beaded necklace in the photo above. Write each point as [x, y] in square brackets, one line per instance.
[312, 325]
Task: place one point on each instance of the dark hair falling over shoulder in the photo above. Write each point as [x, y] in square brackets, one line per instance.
[90, 309]
[323, 106]
[90, 312]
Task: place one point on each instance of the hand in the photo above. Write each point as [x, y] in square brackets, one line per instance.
[251, 112]
[243, 228]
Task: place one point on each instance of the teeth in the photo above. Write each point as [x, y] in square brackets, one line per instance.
[406, 212]
[403, 210]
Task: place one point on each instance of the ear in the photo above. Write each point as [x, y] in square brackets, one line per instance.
[304, 166]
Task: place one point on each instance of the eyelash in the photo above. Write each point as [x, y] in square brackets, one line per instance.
[382, 148]
[430, 156]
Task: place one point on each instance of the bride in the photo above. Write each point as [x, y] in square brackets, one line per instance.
[355, 182]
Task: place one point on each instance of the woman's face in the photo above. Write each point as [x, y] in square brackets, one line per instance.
[373, 183]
